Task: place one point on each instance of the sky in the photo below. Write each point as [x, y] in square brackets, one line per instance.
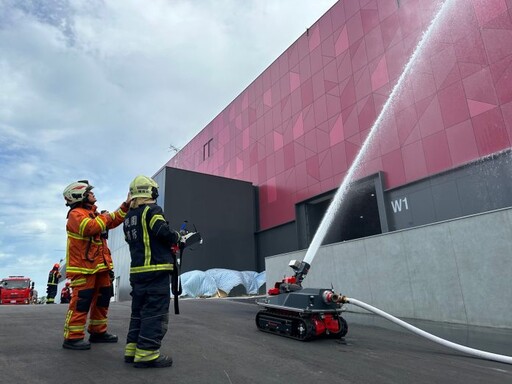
[102, 89]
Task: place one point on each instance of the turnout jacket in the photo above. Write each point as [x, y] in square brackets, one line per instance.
[53, 277]
[149, 238]
[87, 251]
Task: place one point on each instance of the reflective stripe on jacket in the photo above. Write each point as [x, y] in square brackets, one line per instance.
[53, 277]
[87, 251]
[149, 238]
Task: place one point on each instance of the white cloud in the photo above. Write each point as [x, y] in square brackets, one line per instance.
[98, 90]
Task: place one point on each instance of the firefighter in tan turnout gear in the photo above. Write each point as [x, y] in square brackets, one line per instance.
[88, 266]
[150, 239]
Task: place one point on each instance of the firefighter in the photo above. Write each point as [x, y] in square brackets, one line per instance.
[51, 287]
[88, 266]
[65, 293]
[150, 239]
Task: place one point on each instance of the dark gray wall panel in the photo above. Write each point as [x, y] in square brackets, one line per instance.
[472, 193]
[222, 210]
[422, 207]
[446, 208]
[479, 187]
[277, 240]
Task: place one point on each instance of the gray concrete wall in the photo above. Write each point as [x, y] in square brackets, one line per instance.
[457, 271]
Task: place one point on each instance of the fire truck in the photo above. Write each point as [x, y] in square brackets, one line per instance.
[16, 290]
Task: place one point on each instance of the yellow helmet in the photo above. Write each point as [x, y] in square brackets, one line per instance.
[143, 186]
[76, 192]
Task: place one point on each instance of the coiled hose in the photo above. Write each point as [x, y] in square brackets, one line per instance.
[435, 339]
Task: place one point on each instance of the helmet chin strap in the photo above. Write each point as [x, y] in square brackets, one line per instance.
[154, 193]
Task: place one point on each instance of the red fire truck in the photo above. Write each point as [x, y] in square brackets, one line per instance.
[16, 290]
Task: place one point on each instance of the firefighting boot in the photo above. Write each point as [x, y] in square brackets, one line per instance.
[76, 344]
[161, 361]
[129, 359]
[104, 337]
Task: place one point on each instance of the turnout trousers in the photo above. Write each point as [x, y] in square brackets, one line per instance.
[91, 295]
[51, 291]
[149, 318]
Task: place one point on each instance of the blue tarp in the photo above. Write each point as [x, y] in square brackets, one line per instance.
[208, 283]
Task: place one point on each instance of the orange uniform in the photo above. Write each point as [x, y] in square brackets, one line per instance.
[88, 266]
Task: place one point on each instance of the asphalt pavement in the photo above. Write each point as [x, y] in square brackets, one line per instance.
[216, 341]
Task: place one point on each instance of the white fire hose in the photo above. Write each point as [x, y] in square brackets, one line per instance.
[435, 339]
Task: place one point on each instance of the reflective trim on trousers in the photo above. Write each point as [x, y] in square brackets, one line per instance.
[129, 350]
[77, 282]
[98, 322]
[145, 355]
[68, 329]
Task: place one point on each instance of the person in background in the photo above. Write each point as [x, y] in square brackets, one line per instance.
[51, 287]
[150, 239]
[35, 298]
[32, 292]
[65, 294]
[89, 266]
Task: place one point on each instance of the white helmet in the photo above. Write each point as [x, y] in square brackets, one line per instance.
[143, 186]
[76, 192]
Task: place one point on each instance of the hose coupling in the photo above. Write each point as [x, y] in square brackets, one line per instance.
[330, 297]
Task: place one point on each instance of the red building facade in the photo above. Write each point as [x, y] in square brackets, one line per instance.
[295, 130]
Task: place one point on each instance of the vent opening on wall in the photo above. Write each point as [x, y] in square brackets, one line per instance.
[207, 149]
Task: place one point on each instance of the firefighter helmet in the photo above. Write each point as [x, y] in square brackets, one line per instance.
[68, 283]
[143, 186]
[76, 192]
[56, 266]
